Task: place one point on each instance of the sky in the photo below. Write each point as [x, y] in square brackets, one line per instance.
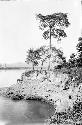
[19, 29]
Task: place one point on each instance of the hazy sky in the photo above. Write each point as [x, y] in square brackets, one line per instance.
[19, 28]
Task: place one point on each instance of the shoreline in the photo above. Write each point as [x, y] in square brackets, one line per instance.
[52, 92]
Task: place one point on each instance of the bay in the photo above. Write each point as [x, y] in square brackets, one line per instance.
[24, 112]
[21, 112]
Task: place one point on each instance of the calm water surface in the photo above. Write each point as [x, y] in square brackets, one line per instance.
[21, 112]
[9, 77]
[24, 113]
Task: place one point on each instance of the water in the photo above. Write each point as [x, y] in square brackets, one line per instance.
[21, 112]
[9, 77]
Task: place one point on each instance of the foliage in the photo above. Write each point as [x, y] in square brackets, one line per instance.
[42, 55]
[79, 45]
[55, 23]
[76, 73]
[75, 60]
[54, 26]
[79, 50]
[75, 114]
[72, 60]
[33, 57]
[61, 56]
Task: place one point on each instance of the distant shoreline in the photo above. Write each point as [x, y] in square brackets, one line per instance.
[20, 68]
[14, 68]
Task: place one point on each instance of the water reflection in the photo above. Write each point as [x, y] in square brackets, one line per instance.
[24, 113]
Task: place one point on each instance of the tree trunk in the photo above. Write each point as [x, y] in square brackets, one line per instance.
[50, 50]
[33, 67]
[42, 65]
[50, 38]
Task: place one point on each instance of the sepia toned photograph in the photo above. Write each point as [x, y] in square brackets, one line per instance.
[40, 62]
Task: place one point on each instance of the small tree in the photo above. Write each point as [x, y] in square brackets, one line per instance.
[41, 54]
[31, 58]
[56, 56]
[61, 56]
[72, 60]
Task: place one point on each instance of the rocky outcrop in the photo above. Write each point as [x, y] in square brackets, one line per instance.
[48, 85]
[54, 87]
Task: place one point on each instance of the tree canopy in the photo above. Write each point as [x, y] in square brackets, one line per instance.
[54, 25]
[41, 56]
[32, 57]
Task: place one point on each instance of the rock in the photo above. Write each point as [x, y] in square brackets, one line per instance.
[48, 86]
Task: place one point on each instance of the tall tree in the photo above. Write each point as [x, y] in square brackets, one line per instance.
[54, 25]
